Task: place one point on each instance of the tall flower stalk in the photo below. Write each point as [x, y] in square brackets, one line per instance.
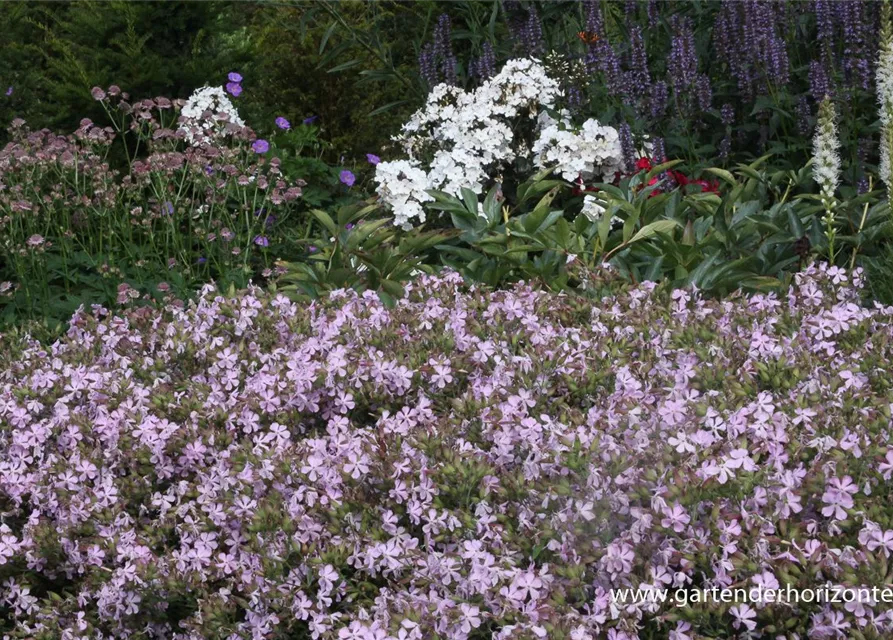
[826, 166]
[885, 98]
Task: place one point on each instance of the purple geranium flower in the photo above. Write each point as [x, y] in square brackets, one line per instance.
[372, 158]
[347, 178]
[262, 241]
[234, 89]
[260, 146]
[234, 77]
[282, 123]
[9, 91]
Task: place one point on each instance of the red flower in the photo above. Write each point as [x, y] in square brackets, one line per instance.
[643, 163]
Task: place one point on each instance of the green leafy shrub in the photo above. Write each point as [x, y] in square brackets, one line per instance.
[54, 53]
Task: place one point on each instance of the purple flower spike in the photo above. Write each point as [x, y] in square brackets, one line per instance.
[310, 120]
[347, 178]
[260, 146]
[282, 123]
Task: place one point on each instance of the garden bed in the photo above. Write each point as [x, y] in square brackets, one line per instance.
[468, 464]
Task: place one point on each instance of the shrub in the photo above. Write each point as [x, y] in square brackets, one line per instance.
[468, 464]
[53, 54]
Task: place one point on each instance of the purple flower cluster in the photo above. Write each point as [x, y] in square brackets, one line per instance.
[530, 35]
[484, 67]
[601, 57]
[525, 27]
[638, 77]
[820, 83]
[749, 38]
[234, 86]
[858, 22]
[437, 63]
[690, 87]
[465, 464]
[727, 116]
[628, 146]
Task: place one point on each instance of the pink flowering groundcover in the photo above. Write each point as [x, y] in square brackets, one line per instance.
[467, 464]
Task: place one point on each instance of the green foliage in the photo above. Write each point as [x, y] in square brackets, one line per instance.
[361, 252]
[56, 52]
[350, 64]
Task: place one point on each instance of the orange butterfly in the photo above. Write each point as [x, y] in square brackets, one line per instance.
[588, 37]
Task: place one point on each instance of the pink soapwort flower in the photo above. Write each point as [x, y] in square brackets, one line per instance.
[838, 496]
[675, 518]
[744, 617]
[681, 443]
[470, 618]
[523, 586]
[766, 580]
[681, 632]
[442, 375]
[886, 467]
[618, 560]
[392, 471]
[881, 540]
[673, 412]
[357, 465]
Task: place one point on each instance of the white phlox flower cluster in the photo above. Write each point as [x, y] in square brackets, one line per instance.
[462, 139]
[593, 210]
[403, 184]
[206, 113]
[590, 151]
